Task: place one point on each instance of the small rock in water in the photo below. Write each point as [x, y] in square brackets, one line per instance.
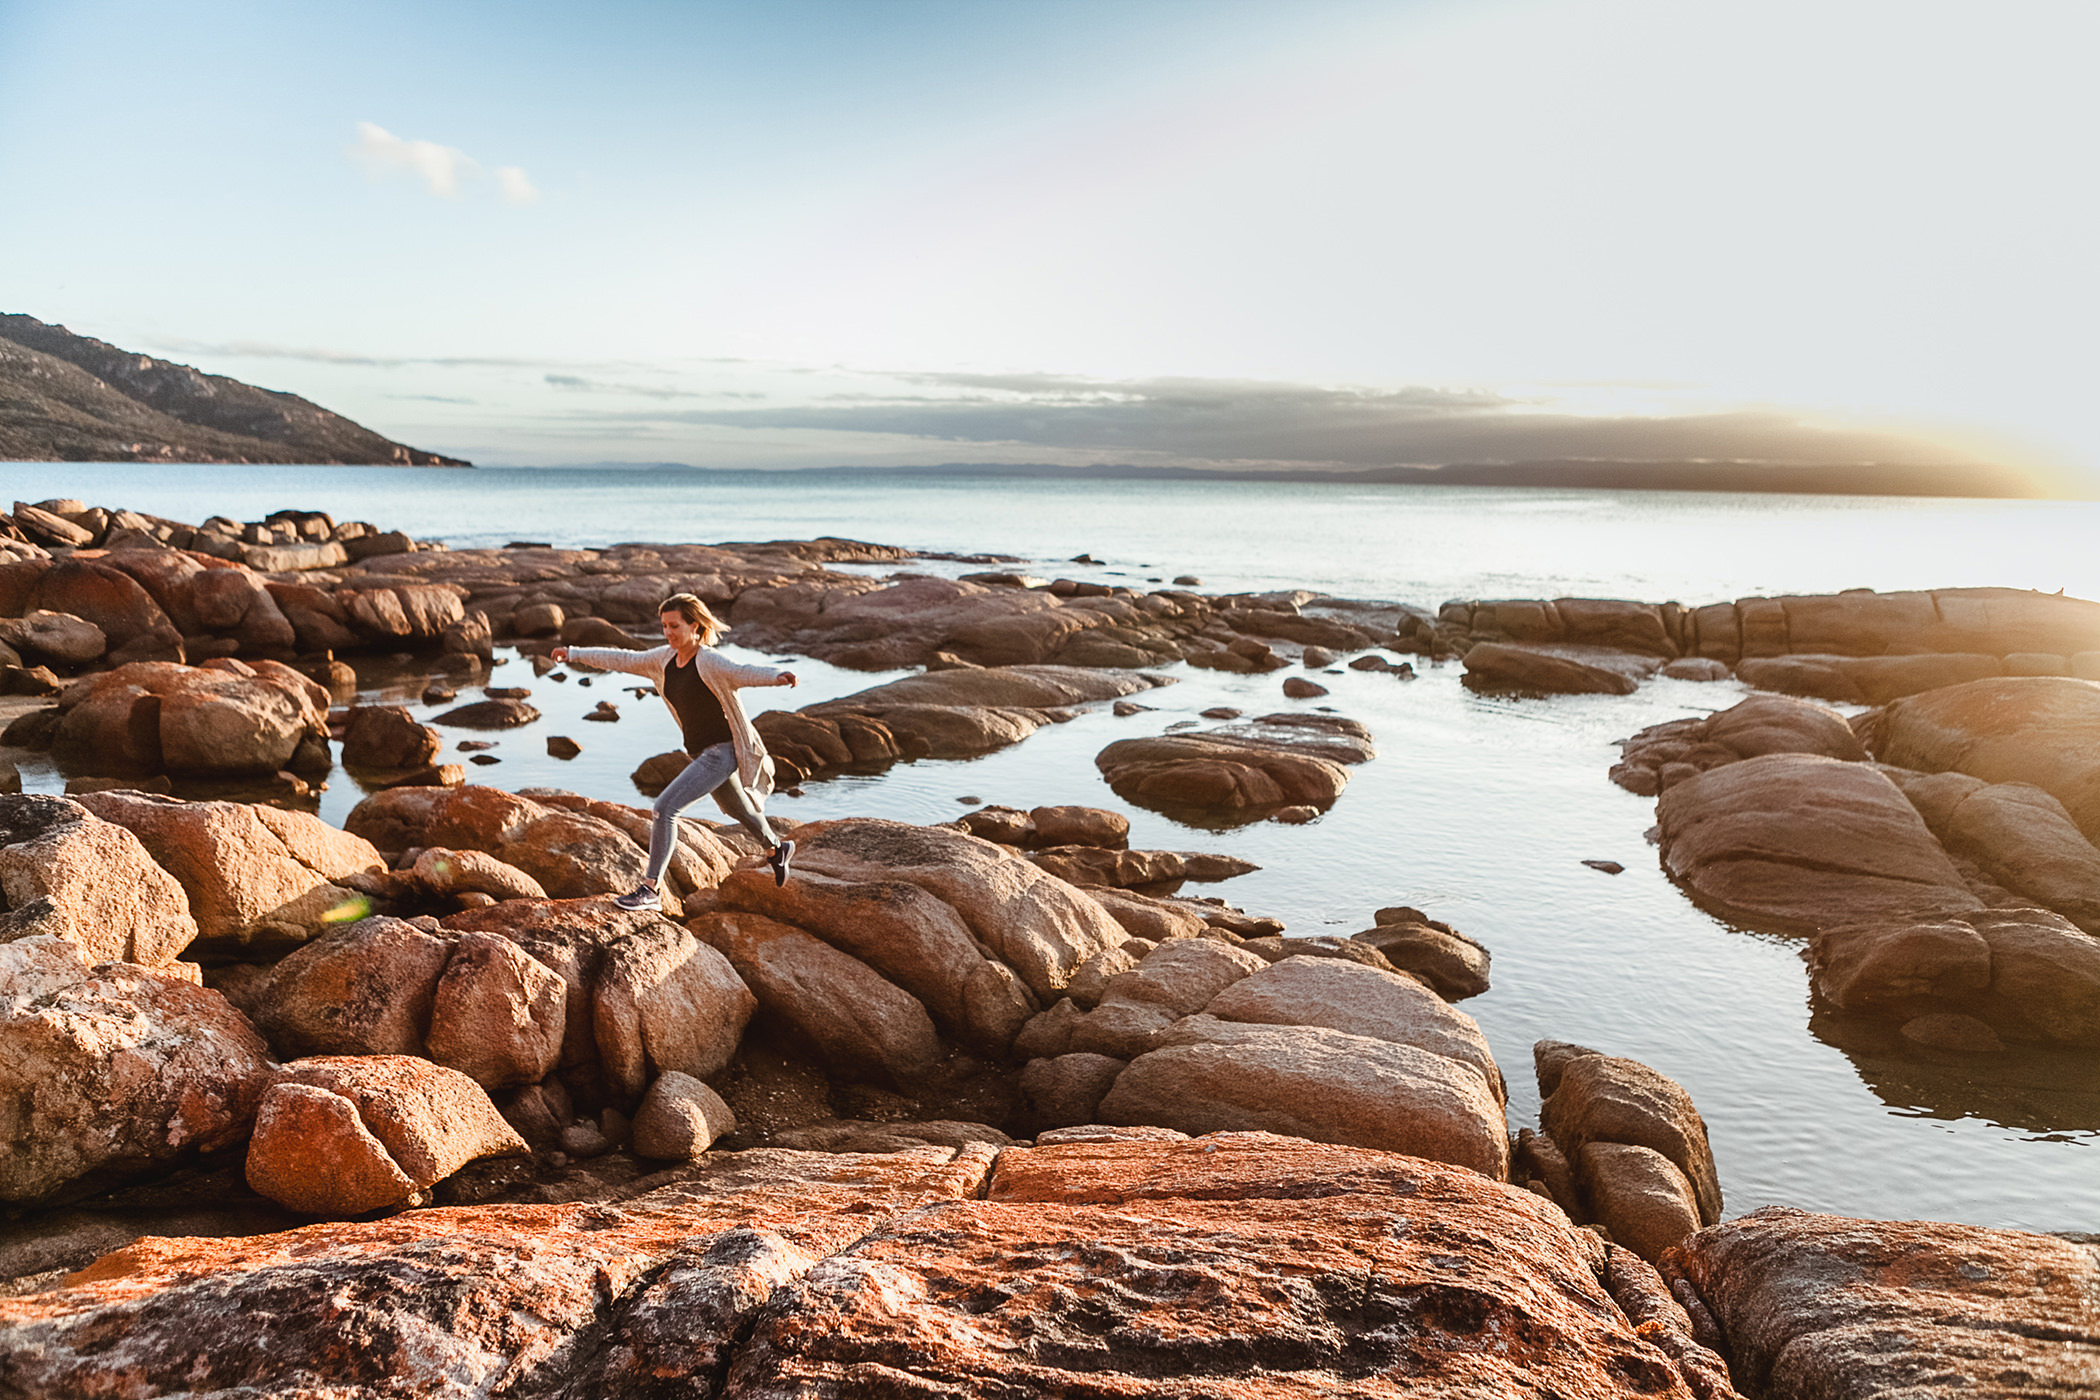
[1182, 724]
[1083, 559]
[1222, 712]
[1127, 708]
[1187, 581]
[1609, 867]
[1373, 662]
[484, 759]
[580, 680]
[560, 676]
[973, 800]
[1951, 1031]
[1299, 688]
[1317, 658]
[475, 745]
[560, 746]
[506, 692]
[439, 695]
[1295, 816]
[606, 713]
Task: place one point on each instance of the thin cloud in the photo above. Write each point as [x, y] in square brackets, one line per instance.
[444, 170]
[515, 187]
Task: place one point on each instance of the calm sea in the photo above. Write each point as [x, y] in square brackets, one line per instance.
[1478, 811]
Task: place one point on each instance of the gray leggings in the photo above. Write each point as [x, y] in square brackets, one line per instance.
[712, 770]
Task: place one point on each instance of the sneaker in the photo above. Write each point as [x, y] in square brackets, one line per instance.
[782, 854]
[642, 898]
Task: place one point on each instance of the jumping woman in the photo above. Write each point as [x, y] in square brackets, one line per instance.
[728, 758]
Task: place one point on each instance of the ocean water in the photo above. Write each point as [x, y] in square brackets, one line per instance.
[1477, 810]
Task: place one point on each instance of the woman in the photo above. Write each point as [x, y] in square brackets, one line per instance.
[700, 684]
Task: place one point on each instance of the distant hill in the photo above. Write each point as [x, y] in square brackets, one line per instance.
[1826, 479]
[68, 398]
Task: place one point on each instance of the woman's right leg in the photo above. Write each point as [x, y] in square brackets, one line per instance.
[701, 777]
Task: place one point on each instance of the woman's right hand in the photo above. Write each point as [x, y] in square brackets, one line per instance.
[558, 655]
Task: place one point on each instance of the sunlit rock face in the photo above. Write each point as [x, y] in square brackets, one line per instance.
[1244, 1261]
[1825, 1305]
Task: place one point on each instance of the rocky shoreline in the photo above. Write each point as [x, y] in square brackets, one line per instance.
[981, 1107]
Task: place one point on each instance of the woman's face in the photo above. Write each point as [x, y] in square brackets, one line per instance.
[677, 631]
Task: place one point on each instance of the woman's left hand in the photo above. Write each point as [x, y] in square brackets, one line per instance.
[787, 678]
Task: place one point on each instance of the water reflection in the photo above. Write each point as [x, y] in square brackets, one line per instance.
[2034, 1089]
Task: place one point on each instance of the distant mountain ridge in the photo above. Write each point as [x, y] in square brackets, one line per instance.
[71, 398]
[1821, 479]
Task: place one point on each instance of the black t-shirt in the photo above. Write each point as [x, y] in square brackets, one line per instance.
[700, 716]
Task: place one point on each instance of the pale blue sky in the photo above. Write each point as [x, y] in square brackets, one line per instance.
[1322, 231]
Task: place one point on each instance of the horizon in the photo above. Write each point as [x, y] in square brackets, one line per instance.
[1218, 237]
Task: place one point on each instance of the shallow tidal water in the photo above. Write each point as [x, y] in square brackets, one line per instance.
[1477, 810]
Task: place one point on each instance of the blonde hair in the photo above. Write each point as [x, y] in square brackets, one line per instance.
[696, 612]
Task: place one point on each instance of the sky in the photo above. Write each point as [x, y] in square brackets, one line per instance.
[1173, 232]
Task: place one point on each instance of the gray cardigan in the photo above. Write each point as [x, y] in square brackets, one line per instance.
[754, 766]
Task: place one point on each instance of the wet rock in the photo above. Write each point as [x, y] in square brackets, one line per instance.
[386, 736]
[2028, 973]
[497, 1014]
[680, 1118]
[862, 1025]
[1801, 842]
[113, 1069]
[1553, 670]
[488, 714]
[1242, 772]
[66, 872]
[1827, 1305]
[1951, 1031]
[1312, 1082]
[255, 875]
[1697, 668]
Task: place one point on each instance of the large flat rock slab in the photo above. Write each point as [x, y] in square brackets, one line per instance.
[1824, 1305]
[1800, 842]
[1239, 1264]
